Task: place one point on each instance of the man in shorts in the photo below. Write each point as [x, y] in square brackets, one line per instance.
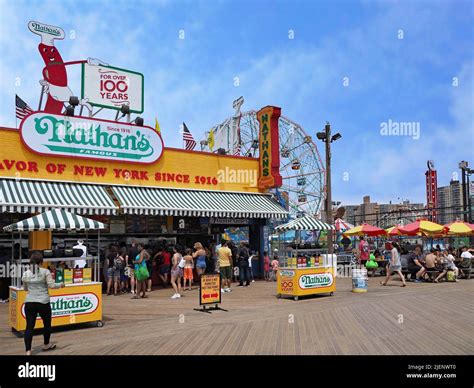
[224, 255]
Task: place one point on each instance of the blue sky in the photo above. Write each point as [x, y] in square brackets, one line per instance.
[192, 79]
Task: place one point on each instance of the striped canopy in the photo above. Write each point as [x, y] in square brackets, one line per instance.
[306, 222]
[55, 219]
[196, 203]
[460, 228]
[393, 231]
[365, 230]
[28, 196]
[422, 227]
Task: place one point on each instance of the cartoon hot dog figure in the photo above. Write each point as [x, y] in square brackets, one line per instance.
[54, 73]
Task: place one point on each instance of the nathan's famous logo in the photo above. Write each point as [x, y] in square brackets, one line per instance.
[40, 27]
[75, 304]
[83, 137]
[315, 280]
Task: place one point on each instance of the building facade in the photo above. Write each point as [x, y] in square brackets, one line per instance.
[450, 202]
[384, 215]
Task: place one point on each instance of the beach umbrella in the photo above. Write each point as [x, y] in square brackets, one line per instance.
[459, 228]
[393, 231]
[365, 230]
[342, 225]
[422, 227]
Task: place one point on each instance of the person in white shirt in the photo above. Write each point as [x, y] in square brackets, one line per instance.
[253, 256]
[80, 263]
[466, 258]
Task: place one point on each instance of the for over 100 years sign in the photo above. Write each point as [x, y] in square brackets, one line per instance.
[111, 87]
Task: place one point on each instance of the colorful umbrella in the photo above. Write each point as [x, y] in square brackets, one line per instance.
[393, 231]
[365, 230]
[422, 227]
[460, 228]
[341, 225]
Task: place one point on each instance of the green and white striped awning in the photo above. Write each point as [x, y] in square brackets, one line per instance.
[197, 203]
[27, 196]
[55, 219]
[305, 223]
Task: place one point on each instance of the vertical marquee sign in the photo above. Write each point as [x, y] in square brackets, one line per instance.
[269, 147]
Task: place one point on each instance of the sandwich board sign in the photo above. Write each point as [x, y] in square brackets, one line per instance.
[210, 292]
[111, 87]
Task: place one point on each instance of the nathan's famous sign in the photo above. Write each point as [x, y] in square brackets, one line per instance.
[269, 147]
[83, 137]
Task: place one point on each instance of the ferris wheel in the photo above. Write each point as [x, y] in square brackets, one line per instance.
[301, 166]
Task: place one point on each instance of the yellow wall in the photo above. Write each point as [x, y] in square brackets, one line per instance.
[191, 164]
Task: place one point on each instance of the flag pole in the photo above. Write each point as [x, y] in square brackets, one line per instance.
[41, 97]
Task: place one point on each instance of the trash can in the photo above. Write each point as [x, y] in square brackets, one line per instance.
[359, 280]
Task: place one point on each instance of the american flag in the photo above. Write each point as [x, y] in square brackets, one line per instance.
[22, 108]
[189, 142]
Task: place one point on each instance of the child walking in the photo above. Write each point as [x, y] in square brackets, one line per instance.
[188, 268]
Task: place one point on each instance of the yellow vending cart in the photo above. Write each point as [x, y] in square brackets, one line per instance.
[80, 300]
[305, 271]
[307, 276]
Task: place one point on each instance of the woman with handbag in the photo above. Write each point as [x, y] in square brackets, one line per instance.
[141, 272]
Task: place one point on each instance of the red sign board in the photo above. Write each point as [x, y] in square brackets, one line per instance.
[269, 147]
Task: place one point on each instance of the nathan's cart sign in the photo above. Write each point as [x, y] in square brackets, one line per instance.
[298, 282]
[111, 87]
[71, 304]
[82, 137]
[269, 147]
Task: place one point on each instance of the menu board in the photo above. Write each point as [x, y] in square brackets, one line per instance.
[156, 223]
[188, 225]
[136, 224]
[117, 225]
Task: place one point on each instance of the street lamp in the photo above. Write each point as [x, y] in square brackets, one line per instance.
[465, 172]
[328, 139]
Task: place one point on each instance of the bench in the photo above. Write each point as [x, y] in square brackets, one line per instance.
[432, 274]
[466, 269]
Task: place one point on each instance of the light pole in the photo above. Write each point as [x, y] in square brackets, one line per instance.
[328, 139]
[463, 165]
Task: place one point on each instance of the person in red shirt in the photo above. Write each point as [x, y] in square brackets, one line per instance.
[364, 251]
[164, 258]
[266, 266]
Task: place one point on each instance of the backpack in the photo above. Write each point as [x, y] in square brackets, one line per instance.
[451, 276]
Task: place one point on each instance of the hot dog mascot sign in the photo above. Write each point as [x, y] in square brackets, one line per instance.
[52, 132]
[54, 80]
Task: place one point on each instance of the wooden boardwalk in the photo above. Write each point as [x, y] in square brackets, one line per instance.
[419, 319]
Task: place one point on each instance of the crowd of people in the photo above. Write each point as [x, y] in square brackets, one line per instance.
[130, 269]
[435, 265]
